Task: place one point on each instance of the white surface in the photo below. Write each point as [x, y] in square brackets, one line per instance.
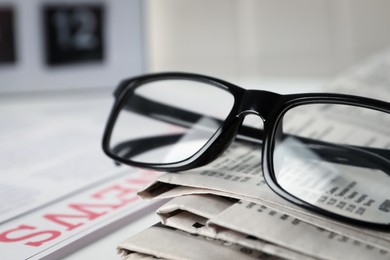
[46, 140]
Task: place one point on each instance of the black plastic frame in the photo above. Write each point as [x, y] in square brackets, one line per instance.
[267, 105]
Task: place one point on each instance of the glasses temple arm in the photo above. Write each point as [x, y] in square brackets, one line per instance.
[180, 117]
[367, 157]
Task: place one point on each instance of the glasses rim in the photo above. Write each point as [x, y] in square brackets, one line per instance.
[273, 107]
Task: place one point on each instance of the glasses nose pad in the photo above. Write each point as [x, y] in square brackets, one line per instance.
[252, 129]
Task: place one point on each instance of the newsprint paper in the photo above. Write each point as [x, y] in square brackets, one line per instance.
[225, 210]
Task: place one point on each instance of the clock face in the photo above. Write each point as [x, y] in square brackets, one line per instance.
[7, 36]
[73, 33]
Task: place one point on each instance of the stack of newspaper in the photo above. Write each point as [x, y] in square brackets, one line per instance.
[225, 210]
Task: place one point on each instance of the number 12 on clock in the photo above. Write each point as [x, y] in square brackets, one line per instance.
[74, 33]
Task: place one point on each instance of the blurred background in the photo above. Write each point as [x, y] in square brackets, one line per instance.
[49, 44]
[60, 61]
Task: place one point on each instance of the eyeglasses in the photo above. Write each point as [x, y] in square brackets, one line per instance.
[325, 152]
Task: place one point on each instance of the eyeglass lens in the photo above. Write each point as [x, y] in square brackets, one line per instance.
[337, 158]
[168, 121]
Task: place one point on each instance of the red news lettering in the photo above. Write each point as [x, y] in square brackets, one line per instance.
[45, 235]
[61, 219]
[123, 194]
[80, 207]
[111, 198]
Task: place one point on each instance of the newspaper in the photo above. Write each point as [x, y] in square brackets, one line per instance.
[261, 222]
[266, 223]
[231, 178]
[228, 200]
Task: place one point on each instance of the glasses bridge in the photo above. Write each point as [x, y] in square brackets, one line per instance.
[258, 102]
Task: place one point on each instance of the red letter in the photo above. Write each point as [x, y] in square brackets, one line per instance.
[120, 193]
[60, 219]
[89, 215]
[52, 235]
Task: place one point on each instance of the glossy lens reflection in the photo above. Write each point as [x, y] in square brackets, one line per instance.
[168, 121]
[336, 157]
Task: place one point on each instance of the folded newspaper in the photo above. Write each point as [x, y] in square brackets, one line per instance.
[225, 210]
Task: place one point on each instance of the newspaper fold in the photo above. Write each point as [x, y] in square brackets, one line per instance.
[192, 213]
[163, 242]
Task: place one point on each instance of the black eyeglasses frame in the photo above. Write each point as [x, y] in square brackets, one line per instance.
[269, 106]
